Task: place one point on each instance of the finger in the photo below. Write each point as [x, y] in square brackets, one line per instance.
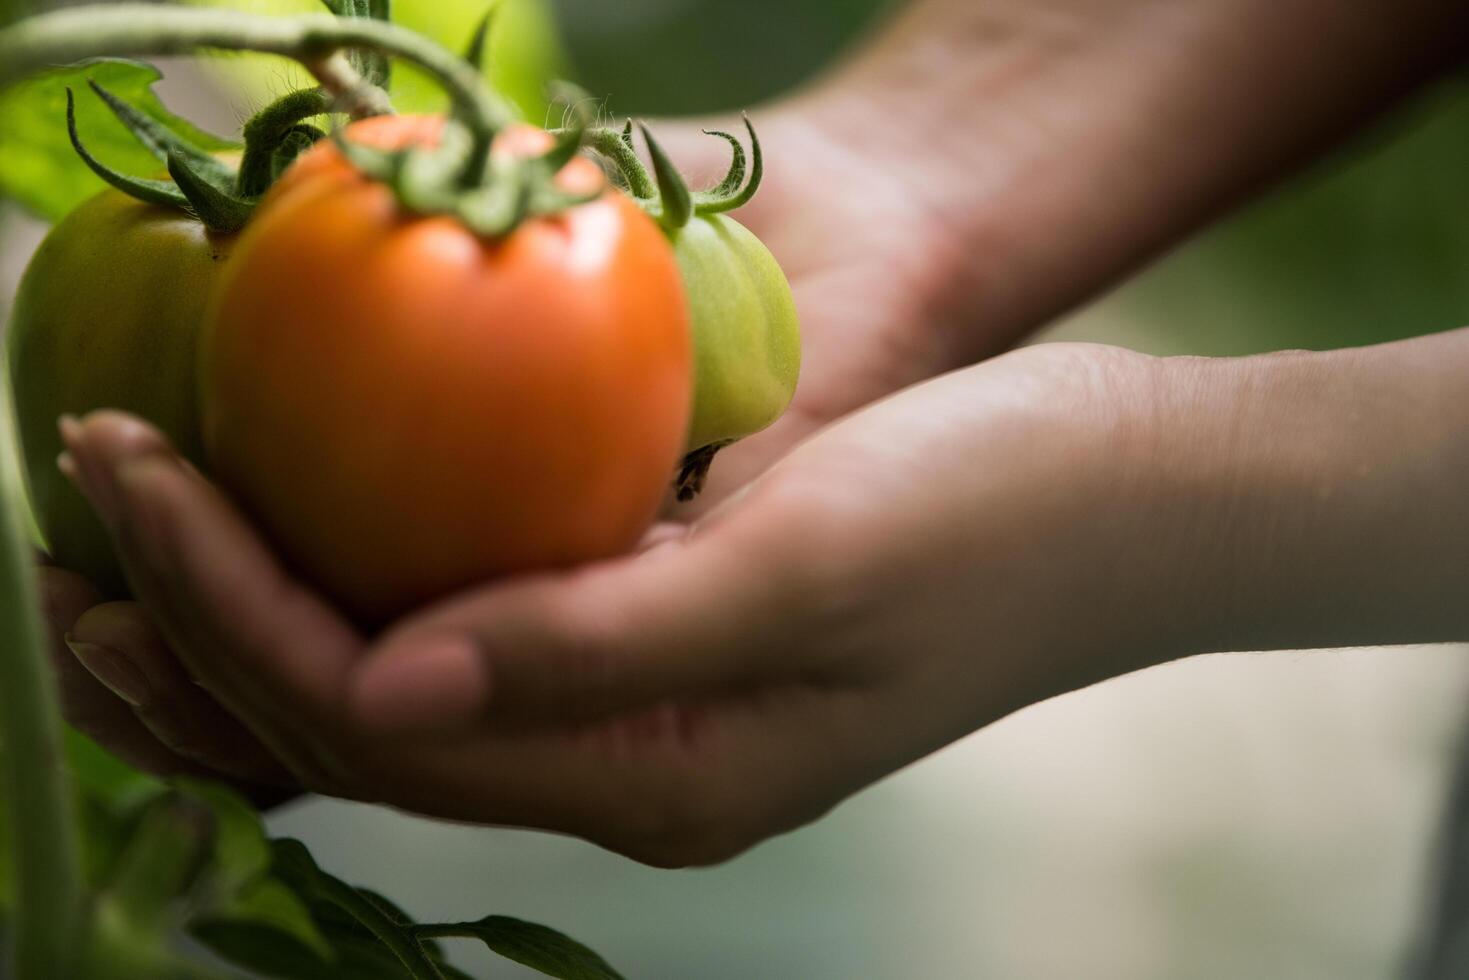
[118, 643]
[263, 644]
[695, 614]
[89, 706]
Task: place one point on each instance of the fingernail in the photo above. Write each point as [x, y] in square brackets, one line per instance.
[116, 672]
[423, 684]
[90, 474]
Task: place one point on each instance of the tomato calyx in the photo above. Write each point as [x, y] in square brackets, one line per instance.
[510, 188]
[347, 51]
[664, 194]
[693, 471]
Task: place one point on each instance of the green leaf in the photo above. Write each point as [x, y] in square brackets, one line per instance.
[269, 929]
[110, 798]
[106, 778]
[155, 870]
[38, 166]
[349, 911]
[529, 944]
[240, 854]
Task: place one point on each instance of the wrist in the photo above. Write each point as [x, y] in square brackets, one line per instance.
[1058, 145]
[1317, 498]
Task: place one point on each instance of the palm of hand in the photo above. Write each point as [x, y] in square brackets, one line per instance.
[864, 264]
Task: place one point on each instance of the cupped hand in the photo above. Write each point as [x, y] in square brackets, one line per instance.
[914, 572]
[869, 268]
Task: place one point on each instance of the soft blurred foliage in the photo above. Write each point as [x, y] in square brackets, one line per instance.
[681, 56]
[1369, 245]
[523, 54]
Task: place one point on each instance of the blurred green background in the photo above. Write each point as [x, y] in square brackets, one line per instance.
[1228, 817]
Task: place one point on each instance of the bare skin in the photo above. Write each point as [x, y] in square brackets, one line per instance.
[869, 584]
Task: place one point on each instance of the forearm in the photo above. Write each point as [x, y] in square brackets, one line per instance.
[1319, 499]
[1062, 143]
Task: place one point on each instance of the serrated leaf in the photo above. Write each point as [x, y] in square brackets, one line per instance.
[38, 167]
[531, 944]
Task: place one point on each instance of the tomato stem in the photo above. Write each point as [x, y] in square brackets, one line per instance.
[318, 41]
[265, 132]
[43, 845]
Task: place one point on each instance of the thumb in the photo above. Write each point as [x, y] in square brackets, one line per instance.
[679, 620]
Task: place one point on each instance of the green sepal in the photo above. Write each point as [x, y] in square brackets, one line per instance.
[298, 140]
[677, 205]
[160, 141]
[494, 210]
[553, 200]
[568, 143]
[734, 178]
[627, 135]
[474, 53]
[161, 192]
[728, 196]
[381, 165]
[425, 180]
[218, 211]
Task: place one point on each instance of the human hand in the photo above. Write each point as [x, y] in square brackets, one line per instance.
[978, 169]
[1050, 518]
[917, 571]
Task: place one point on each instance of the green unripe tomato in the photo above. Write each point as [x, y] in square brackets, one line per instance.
[107, 316]
[747, 338]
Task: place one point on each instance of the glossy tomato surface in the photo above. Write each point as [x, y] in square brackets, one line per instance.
[409, 409]
[107, 316]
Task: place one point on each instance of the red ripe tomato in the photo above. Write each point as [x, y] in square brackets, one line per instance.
[409, 409]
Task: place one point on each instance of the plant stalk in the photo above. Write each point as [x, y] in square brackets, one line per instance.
[151, 30]
[44, 841]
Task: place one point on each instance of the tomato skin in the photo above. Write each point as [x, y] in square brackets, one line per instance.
[107, 316]
[747, 337]
[408, 409]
